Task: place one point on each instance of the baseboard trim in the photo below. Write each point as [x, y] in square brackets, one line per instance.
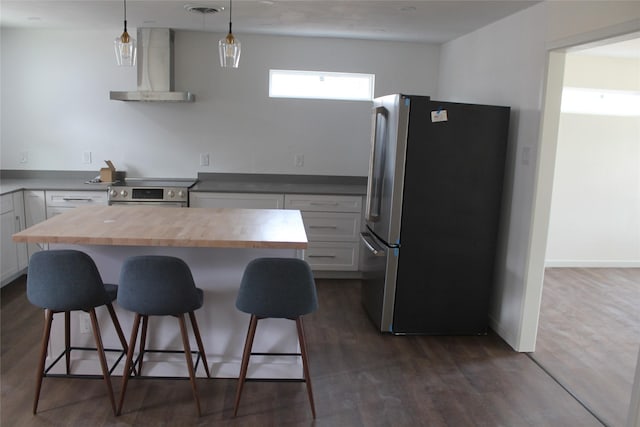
[592, 263]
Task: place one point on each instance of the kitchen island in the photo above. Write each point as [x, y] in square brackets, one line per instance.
[217, 244]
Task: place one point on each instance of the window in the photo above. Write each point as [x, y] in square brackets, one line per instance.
[321, 85]
[600, 102]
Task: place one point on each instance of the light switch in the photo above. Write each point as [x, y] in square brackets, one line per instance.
[204, 159]
[86, 157]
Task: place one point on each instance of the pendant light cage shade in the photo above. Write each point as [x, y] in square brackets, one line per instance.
[229, 47]
[125, 45]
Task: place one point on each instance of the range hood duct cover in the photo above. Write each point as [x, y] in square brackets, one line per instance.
[155, 69]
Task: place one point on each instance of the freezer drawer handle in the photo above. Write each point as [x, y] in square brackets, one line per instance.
[371, 245]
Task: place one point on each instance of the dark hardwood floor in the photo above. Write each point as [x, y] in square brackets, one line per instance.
[360, 378]
[589, 335]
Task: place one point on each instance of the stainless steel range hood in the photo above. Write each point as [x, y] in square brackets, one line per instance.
[155, 69]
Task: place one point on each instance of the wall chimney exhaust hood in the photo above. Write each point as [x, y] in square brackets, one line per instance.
[155, 69]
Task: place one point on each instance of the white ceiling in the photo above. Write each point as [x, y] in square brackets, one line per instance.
[421, 21]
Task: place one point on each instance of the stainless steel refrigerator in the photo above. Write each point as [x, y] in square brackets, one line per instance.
[432, 213]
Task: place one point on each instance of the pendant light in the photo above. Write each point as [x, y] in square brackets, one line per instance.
[125, 45]
[229, 48]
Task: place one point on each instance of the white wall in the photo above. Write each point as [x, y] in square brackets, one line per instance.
[595, 206]
[55, 105]
[505, 63]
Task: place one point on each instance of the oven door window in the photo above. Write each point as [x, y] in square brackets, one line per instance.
[147, 194]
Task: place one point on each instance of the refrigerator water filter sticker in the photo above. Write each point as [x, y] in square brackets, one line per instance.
[439, 116]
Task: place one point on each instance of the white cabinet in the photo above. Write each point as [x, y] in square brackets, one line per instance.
[332, 223]
[236, 200]
[58, 202]
[13, 256]
[35, 212]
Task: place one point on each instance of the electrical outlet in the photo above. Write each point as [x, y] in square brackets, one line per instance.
[204, 159]
[86, 157]
[298, 160]
[85, 323]
[24, 157]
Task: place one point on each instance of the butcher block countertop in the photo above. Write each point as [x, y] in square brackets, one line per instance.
[169, 226]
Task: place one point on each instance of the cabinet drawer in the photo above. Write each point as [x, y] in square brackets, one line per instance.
[330, 226]
[236, 200]
[75, 198]
[332, 256]
[328, 203]
[6, 203]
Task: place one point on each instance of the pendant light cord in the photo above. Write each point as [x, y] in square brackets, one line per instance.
[230, 10]
[125, 15]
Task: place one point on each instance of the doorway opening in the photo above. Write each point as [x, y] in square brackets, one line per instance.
[589, 326]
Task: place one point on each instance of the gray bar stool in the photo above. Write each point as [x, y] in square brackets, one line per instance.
[155, 285]
[276, 288]
[61, 281]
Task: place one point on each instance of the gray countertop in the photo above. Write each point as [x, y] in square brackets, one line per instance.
[48, 180]
[11, 181]
[289, 184]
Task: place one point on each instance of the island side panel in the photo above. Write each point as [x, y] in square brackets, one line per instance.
[217, 271]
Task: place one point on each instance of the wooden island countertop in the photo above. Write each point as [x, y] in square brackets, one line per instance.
[171, 226]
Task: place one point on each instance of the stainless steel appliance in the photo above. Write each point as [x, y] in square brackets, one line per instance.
[432, 212]
[153, 192]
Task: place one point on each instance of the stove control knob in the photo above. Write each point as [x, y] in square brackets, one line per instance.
[124, 193]
[113, 193]
[171, 193]
[181, 194]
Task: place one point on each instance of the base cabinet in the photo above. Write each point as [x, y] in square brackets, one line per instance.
[332, 223]
[35, 211]
[236, 200]
[13, 256]
[58, 202]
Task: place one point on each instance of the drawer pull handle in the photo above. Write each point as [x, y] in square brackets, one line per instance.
[324, 203]
[332, 227]
[77, 199]
[321, 256]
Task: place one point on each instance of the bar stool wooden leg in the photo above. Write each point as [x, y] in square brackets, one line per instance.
[43, 356]
[116, 324]
[129, 361]
[246, 354]
[143, 342]
[67, 341]
[196, 332]
[187, 354]
[305, 363]
[103, 360]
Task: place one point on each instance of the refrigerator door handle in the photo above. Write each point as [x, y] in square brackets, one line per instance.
[373, 247]
[374, 183]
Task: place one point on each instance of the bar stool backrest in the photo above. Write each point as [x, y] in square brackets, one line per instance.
[277, 288]
[157, 285]
[64, 280]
